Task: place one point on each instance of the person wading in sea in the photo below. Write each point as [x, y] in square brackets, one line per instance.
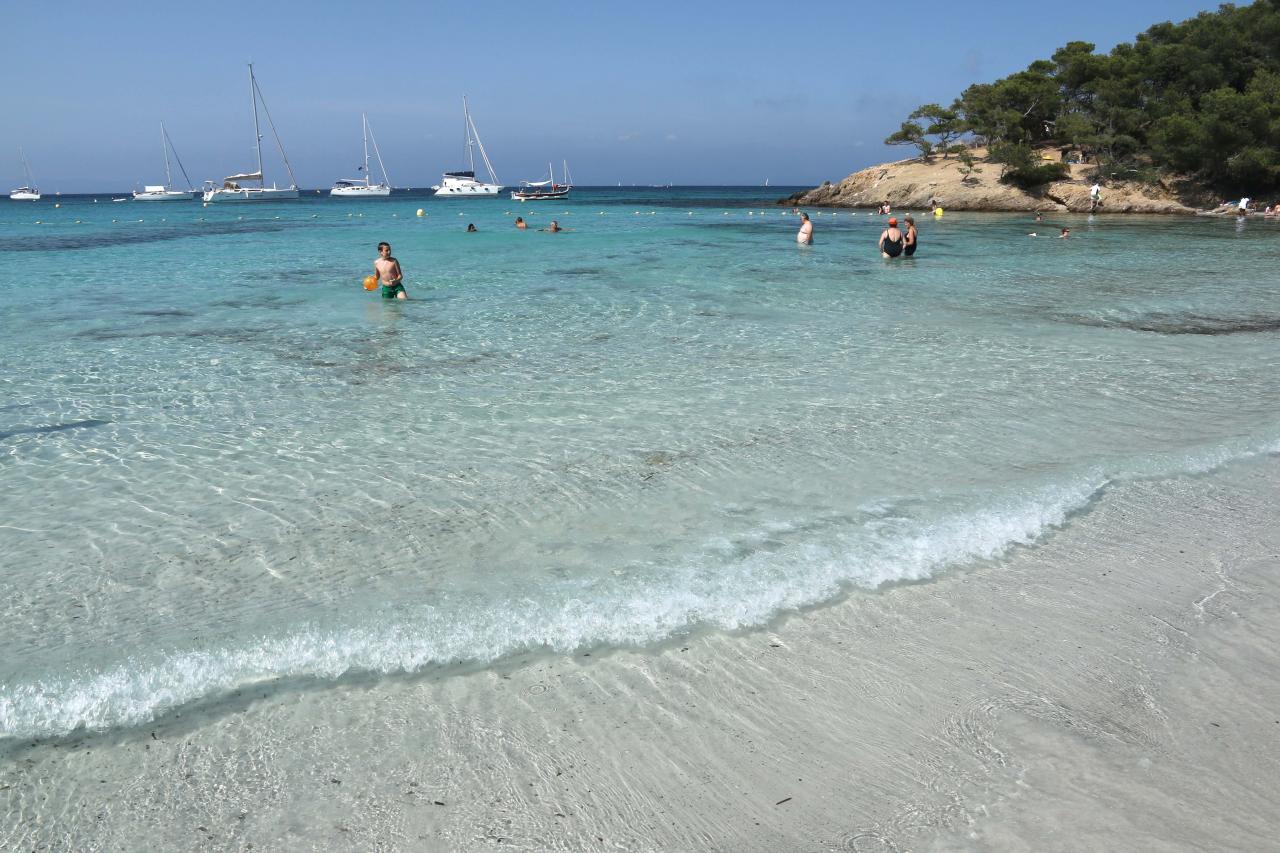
[805, 235]
[912, 238]
[891, 240]
[389, 273]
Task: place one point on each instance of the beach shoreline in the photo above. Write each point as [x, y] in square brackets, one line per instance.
[1073, 695]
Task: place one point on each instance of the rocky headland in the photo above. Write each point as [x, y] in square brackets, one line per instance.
[914, 183]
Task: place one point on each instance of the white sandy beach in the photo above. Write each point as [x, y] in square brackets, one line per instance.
[1114, 688]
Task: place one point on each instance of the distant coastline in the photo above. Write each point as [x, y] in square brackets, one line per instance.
[915, 182]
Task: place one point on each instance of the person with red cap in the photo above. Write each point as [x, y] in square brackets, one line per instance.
[891, 240]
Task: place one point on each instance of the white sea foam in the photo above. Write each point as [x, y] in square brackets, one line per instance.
[616, 612]
[630, 610]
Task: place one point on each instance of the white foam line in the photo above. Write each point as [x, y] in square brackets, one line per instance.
[598, 611]
[631, 610]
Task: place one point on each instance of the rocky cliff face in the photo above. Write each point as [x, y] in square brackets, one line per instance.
[912, 184]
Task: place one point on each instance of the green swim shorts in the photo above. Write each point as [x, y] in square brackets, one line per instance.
[391, 291]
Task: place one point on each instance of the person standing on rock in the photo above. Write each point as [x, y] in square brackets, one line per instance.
[1095, 197]
[805, 235]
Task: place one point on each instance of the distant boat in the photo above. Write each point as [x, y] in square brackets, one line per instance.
[766, 182]
[231, 189]
[544, 190]
[356, 187]
[464, 183]
[29, 192]
[165, 192]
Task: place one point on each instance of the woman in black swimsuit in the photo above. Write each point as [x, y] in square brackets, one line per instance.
[913, 238]
[891, 240]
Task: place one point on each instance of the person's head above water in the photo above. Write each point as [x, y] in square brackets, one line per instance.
[471, 226]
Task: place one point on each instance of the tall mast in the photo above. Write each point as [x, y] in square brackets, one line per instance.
[164, 144]
[386, 180]
[257, 135]
[26, 167]
[364, 118]
[466, 120]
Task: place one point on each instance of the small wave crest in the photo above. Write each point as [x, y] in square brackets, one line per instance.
[633, 610]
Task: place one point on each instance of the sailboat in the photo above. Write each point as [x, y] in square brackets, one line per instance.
[164, 192]
[29, 192]
[360, 187]
[231, 189]
[544, 190]
[465, 183]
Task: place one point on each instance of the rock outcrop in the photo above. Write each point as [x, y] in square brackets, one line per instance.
[912, 184]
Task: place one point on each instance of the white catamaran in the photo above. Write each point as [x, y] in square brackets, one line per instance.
[29, 192]
[465, 183]
[544, 190]
[166, 192]
[231, 189]
[360, 187]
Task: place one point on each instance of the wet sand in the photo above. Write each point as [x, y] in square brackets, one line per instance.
[1113, 688]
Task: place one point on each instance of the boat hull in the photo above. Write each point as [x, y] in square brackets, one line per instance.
[517, 195]
[469, 190]
[24, 195]
[242, 195]
[361, 191]
[165, 195]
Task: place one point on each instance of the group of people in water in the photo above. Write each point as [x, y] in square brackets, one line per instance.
[894, 242]
[387, 272]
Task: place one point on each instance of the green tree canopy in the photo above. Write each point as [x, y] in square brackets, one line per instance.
[1200, 97]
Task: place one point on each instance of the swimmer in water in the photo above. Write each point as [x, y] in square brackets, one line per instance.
[389, 273]
[912, 239]
[891, 240]
[805, 235]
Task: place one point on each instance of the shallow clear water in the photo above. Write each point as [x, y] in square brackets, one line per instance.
[221, 461]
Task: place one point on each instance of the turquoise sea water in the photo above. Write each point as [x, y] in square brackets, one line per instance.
[222, 462]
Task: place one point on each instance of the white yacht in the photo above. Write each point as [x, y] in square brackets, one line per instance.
[29, 192]
[231, 190]
[464, 183]
[360, 187]
[165, 192]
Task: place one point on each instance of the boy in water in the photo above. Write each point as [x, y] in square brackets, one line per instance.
[389, 273]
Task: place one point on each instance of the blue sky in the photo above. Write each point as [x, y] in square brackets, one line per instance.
[650, 92]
